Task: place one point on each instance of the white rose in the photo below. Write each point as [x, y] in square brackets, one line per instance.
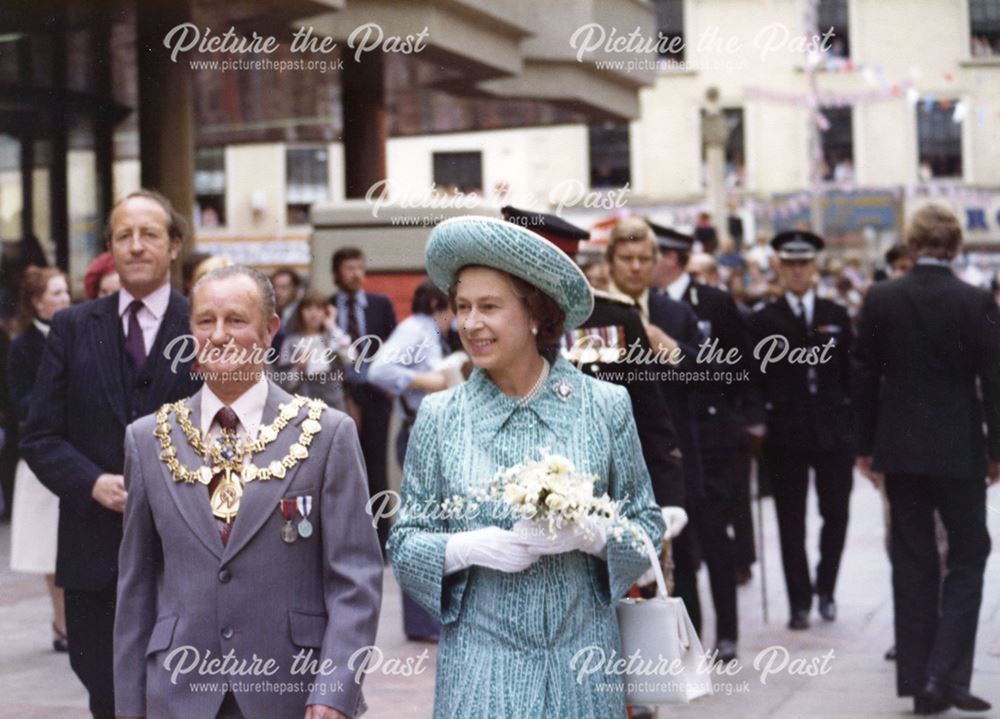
[559, 465]
[513, 494]
[555, 502]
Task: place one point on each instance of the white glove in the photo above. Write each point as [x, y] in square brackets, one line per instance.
[451, 368]
[675, 518]
[489, 547]
[589, 534]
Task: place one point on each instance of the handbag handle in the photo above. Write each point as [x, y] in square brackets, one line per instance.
[661, 586]
[654, 559]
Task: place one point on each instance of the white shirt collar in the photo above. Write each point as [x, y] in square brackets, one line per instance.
[808, 301]
[933, 261]
[42, 327]
[359, 297]
[678, 287]
[249, 408]
[156, 301]
[642, 300]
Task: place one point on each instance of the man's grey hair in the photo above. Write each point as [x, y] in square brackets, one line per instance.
[264, 286]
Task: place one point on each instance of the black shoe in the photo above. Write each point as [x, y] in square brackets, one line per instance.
[931, 699]
[962, 699]
[59, 641]
[725, 650]
[799, 620]
[827, 607]
[890, 654]
[925, 705]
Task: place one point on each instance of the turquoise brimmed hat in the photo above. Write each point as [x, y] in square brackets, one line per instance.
[474, 240]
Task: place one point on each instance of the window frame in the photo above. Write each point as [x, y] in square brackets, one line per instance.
[962, 150]
[609, 127]
[445, 183]
[216, 194]
[302, 206]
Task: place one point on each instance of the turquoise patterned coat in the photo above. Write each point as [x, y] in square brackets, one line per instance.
[509, 640]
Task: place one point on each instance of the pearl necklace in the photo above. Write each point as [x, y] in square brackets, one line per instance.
[537, 386]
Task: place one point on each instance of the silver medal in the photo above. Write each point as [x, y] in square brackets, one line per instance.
[304, 506]
[288, 533]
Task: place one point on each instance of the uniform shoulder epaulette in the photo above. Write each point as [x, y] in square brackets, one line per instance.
[626, 301]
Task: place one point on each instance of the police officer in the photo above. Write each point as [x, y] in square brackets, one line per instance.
[672, 330]
[720, 431]
[802, 371]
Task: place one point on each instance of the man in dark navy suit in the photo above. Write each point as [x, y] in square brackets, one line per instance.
[365, 314]
[720, 430]
[672, 331]
[927, 400]
[801, 367]
[105, 365]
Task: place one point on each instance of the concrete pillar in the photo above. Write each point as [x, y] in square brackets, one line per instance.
[166, 109]
[366, 123]
[59, 176]
[105, 120]
[715, 133]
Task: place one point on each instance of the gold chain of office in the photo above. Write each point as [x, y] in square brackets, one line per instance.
[248, 472]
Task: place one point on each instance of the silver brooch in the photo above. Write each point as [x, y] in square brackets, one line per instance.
[563, 389]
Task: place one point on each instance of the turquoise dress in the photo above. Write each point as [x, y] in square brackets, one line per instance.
[509, 640]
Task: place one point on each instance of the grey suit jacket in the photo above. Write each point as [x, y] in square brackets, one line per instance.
[183, 598]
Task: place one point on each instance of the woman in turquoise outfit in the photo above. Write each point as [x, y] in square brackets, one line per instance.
[517, 608]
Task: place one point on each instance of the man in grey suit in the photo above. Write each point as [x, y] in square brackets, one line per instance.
[269, 574]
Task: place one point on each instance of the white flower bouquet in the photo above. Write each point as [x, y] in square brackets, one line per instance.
[549, 492]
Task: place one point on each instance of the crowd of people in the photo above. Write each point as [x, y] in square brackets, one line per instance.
[774, 355]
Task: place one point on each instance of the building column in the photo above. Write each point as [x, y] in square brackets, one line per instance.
[166, 108]
[105, 118]
[366, 123]
[58, 173]
[715, 134]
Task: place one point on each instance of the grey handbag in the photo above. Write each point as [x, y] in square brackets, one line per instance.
[672, 667]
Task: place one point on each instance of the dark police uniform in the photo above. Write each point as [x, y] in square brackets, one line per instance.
[617, 318]
[806, 407]
[720, 430]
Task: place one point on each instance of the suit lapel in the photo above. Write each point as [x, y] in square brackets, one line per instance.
[106, 347]
[260, 499]
[192, 499]
[174, 324]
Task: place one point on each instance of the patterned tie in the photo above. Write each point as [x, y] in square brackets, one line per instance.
[352, 317]
[134, 345]
[227, 419]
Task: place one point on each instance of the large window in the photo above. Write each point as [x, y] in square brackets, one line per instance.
[833, 14]
[670, 23]
[610, 164]
[307, 181]
[984, 31]
[837, 142]
[210, 187]
[940, 140]
[458, 171]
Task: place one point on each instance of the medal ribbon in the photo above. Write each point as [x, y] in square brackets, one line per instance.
[304, 505]
[288, 509]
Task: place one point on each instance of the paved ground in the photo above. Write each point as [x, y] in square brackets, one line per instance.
[38, 684]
